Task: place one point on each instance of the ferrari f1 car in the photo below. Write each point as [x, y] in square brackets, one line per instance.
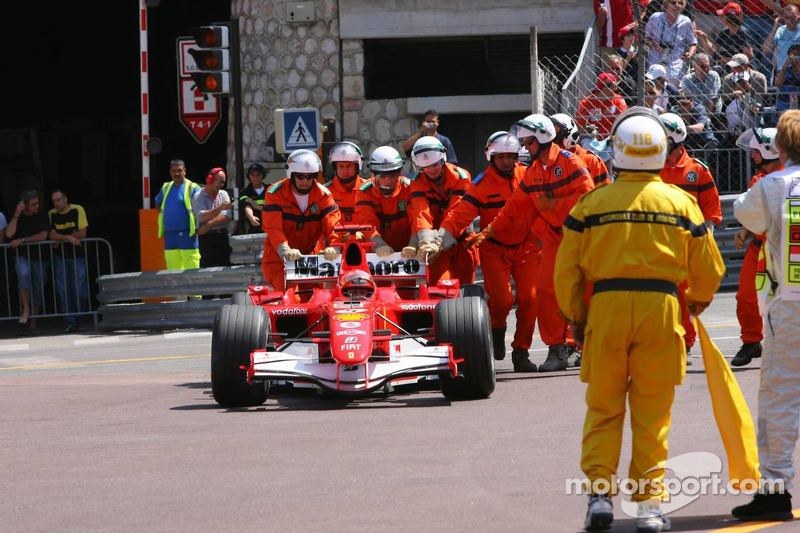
[351, 327]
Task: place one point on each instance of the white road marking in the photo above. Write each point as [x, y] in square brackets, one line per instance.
[14, 347]
[95, 340]
[183, 334]
[17, 361]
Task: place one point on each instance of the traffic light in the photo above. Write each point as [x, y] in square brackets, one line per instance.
[212, 58]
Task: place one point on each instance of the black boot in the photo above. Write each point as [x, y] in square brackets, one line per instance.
[521, 360]
[499, 343]
[748, 352]
[556, 359]
[766, 507]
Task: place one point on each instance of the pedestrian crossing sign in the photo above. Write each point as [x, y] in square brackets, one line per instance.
[296, 129]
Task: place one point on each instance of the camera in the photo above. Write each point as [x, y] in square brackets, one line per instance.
[795, 57]
[429, 125]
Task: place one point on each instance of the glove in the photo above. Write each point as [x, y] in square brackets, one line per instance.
[426, 249]
[359, 236]
[543, 203]
[577, 331]
[741, 237]
[477, 238]
[696, 309]
[409, 252]
[383, 251]
[291, 254]
[330, 253]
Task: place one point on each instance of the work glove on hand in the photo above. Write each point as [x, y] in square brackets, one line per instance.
[427, 249]
[383, 251]
[577, 331]
[696, 309]
[291, 254]
[543, 203]
[330, 253]
[740, 239]
[359, 236]
[477, 238]
[409, 252]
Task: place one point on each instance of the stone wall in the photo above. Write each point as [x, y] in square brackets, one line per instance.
[289, 65]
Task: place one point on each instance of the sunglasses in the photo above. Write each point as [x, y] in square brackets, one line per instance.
[308, 177]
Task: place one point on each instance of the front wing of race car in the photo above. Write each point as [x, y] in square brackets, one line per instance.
[300, 363]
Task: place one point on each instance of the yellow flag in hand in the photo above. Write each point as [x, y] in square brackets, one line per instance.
[731, 412]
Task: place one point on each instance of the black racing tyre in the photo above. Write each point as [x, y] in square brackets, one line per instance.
[473, 289]
[238, 330]
[464, 324]
[241, 298]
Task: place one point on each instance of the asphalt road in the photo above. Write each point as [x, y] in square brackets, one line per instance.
[119, 432]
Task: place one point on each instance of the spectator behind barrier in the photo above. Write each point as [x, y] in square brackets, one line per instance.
[599, 109]
[744, 111]
[699, 133]
[628, 51]
[657, 74]
[785, 33]
[733, 39]
[788, 80]
[625, 84]
[651, 95]
[609, 20]
[703, 84]
[740, 64]
[670, 37]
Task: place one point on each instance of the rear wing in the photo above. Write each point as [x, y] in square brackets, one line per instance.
[315, 268]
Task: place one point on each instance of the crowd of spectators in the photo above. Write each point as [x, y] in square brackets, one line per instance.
[723, 66]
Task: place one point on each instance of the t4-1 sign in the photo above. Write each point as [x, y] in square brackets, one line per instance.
[198, 112]
[296, 129]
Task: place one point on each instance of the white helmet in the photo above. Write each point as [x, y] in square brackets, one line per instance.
[385, 159]
[539, 126]
[675, 126]
[640, 140]
[346, 151]
[303, 162]
[761, 139]
[501, 142]
[428, 151]
[568, 128]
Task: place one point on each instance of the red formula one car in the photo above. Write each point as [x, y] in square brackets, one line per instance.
[343, 326]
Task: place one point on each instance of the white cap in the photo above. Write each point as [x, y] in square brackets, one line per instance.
[656, 71]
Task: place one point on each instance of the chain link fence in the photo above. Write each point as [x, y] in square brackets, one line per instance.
[722, 66]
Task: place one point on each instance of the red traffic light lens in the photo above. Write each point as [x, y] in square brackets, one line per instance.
[210, 62]
[210, 38]
[211, 83]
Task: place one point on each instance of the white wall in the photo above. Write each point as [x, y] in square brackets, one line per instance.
[366, 19]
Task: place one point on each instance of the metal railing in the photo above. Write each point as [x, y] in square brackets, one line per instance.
[61, 284]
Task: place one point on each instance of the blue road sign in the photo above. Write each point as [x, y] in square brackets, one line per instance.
[296, 129]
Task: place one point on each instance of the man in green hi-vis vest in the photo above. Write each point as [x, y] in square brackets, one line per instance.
[176, 221]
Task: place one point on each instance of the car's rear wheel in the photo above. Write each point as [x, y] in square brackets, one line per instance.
[238, 330]
[464, 324]
[241, 298]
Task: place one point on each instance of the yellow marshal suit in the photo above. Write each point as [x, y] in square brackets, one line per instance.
[634, 240]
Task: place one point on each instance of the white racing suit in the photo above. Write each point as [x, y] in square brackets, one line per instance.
[771, 205]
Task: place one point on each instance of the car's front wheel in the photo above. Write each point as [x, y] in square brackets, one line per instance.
[463, 323]
[238, 331]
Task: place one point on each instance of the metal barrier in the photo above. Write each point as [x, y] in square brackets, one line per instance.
[121, 296]
[65, 285]
[723, 234]
[247, 249]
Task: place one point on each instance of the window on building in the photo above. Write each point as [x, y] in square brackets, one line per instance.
[453, 66]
